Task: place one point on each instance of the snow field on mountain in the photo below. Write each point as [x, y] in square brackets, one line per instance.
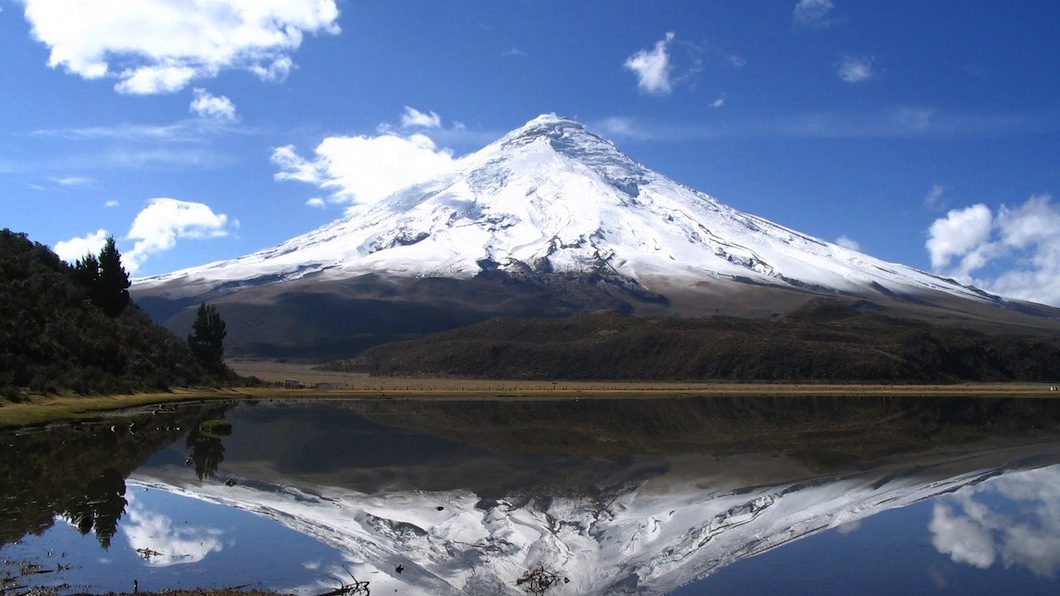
[552, 197]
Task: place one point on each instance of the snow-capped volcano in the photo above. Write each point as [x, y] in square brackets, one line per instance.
[550, 220]
[553, 197]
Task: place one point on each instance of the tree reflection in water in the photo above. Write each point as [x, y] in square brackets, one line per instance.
[206, 452]
[101, 507]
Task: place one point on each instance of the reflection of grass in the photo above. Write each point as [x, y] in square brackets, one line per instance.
[40, 410]
[215, 428]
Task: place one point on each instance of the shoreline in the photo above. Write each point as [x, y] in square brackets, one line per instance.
[42, 410]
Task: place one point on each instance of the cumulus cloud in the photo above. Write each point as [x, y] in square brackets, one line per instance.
[813, 13]
[1017, 247]
[205, 105]
[415, 118]
[175, 544]
[958, 234]
[652, 67]
[158, 46]
[855, 69]
[1025, 532]
[164, 221]
[363, 169]
[76, 248]
[848, 243]
[111, 203]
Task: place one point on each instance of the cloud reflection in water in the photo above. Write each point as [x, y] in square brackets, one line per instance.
[150, 532]
[1014, 521]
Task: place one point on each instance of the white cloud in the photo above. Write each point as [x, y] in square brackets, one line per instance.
[514, 51]
[111, 203]
[813, 13]
[848, 243]
[717, 103]
[206, 105]
[317, 202]
[363, 169]
[415, 118]
[149, 80]
[855, 69]
[159, 46]
[176, 544]
[1017, 524]
[958, 234]
[961, 538]
[1015, 252]
[652, 67]
[75, 248]
[159, 225]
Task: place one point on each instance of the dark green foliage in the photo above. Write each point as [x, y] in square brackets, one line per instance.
[78, 471]
[104, 278]
[206, 339]
[821, 341]
[113, 281]
[54, 338]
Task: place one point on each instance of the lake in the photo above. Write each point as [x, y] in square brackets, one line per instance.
[781, 495]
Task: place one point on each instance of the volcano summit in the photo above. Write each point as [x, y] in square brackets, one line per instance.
[549, 220]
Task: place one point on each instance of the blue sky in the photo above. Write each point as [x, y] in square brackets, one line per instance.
[923, 132]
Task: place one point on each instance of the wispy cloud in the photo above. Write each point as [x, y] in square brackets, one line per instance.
[156, 46]
[652, 67]
[70, 181]
[848, 243]
[855, 69]
[813, 14]
[183, 131]
[890, 123]
[933, 198]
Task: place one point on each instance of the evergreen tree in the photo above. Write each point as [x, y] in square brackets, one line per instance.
[105, 279]
[113, 280]
[206, 339]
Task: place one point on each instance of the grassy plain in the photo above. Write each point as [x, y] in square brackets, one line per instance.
[327, 384]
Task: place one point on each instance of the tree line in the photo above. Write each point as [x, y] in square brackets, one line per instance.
[74, 328]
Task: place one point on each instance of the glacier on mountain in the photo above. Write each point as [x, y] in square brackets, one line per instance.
[552, 197]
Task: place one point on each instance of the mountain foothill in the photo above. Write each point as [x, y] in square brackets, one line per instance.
[549, 254]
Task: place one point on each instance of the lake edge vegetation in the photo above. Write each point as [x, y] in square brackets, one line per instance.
[72, 329]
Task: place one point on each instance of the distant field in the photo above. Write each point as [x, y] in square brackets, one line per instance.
[328, 384]
[360, 383]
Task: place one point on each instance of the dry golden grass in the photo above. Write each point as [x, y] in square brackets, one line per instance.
[41, 410]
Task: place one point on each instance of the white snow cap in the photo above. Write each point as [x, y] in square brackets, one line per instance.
[550, 196]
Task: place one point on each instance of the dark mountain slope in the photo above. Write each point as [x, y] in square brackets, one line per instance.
[822, 341]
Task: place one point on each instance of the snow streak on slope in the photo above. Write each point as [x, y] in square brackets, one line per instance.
[553, 197]
[647, 537]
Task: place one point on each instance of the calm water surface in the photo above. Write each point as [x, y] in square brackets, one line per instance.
[683, 496]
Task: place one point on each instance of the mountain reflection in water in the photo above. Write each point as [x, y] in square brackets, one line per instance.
[612, 496]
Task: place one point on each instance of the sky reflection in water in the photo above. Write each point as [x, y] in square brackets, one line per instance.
[302, 516]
